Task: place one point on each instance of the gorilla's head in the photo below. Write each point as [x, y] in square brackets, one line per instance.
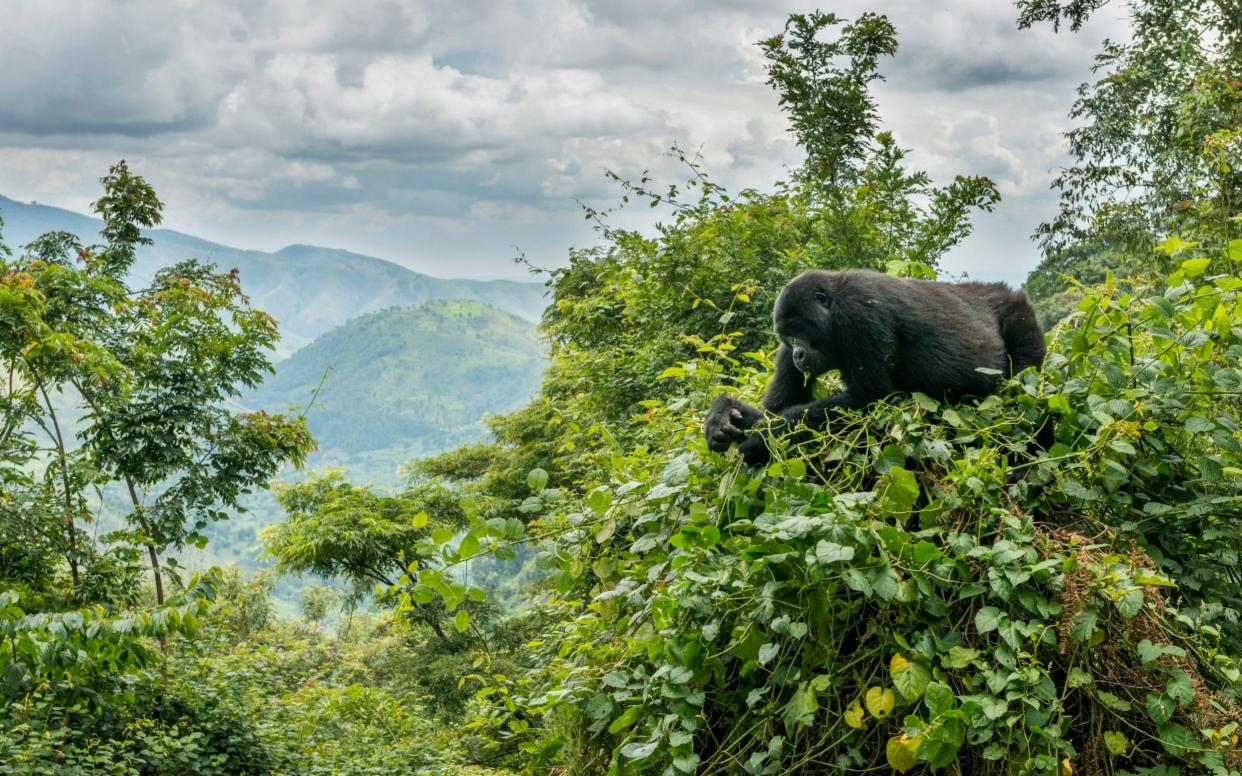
[803, 320]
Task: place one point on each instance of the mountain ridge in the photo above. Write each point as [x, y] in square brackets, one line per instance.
[308, 289]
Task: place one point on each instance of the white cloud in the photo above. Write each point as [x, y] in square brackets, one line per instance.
[441, 133]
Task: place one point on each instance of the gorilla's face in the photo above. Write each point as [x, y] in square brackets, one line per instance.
[803, 322]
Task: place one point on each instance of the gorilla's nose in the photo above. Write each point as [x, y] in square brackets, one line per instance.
[799, 355]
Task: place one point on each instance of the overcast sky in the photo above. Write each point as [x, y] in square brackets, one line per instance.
[442, 134]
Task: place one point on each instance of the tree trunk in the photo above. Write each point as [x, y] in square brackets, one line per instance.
[151, 553]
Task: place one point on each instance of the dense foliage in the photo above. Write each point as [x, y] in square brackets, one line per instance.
[920, 586]
[1044, 581]
[1155, 149]
[115, 407]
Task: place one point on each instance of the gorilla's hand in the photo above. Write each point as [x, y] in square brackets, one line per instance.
[728, 421]
[756, 450]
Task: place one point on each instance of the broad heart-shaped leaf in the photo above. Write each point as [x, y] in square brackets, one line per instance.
[939, 698]
[880, 702]
[830, 552]
[959, 657]
[903, 752]
[853, 715]
[1130, 603]
[1180, 688]
[767, 652]
[1159, 708]
[536, 479]
[1195, 267]
[987, 619]
[801, 708]
[898, 492]
[910, 679]
[638, 750]
[1235, 250]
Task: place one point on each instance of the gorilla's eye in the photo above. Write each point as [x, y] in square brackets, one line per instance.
[822, 298]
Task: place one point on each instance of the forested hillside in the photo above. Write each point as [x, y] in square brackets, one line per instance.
[1047, 580]
[406, 382]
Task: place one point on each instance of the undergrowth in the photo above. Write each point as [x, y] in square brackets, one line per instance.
[920, 585]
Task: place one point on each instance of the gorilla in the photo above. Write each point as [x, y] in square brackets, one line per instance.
[885, 335]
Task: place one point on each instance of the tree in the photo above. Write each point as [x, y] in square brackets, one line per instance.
[141, 377]
[1157, 149]
[373, 541]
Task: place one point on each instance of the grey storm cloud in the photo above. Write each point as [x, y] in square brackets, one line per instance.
[442, 133]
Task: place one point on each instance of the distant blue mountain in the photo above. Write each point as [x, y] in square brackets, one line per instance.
[308, 289]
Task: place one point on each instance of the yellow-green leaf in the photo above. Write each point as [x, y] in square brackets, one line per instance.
[1116, 743]
[1195, 267]
[854, 715]
[903, 752]
[880, 701]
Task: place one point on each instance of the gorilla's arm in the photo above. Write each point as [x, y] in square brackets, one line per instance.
[728, 419]
[789, 386]
[866, 381]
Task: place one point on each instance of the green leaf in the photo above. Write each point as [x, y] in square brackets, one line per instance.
[1131, 603]
[1112, 701]
[959, 657]
[801, 708]
[902, 752]
[1116, 743]
[1235, 250]
[1159, 708]
[627, 718]
[461, 620]
[1177, 740]
[537, 479]
[767, 652]
[1148, 652]
[884, 582]
[898, 491]
[830, 552]
[987, 619]
[1180, 688]
[1195, 267]
[925, 401]
[910, 678]
[639, 750]
[599, 499]
[1077, 678]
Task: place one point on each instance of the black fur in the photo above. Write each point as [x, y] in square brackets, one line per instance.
[885, 335]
